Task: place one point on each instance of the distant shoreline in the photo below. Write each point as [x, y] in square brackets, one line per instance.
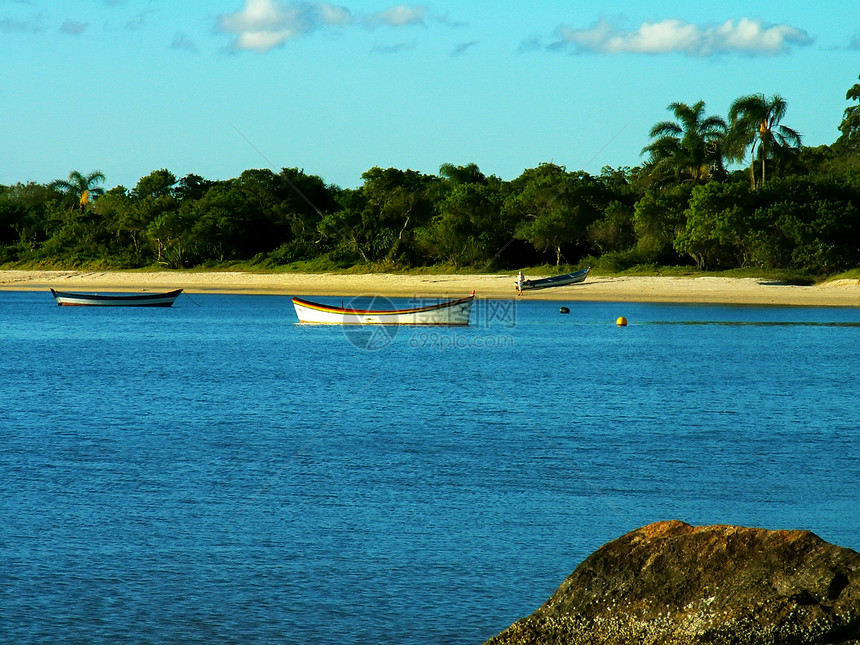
[704, 290]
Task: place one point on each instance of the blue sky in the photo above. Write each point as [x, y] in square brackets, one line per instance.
[215, 87]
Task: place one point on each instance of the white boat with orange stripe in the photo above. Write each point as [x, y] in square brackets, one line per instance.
[451, 312]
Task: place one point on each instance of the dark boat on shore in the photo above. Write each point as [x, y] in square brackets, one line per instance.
[557, 280]
[67, 299]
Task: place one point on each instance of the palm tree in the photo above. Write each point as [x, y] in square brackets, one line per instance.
[81, 187]
[755, 125]
[690, 147]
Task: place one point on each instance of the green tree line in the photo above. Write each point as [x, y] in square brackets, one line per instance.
[785, 206]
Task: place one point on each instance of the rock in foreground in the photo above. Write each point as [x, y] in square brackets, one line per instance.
[671, 583]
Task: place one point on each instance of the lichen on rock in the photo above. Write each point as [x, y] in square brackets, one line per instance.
[670, 583]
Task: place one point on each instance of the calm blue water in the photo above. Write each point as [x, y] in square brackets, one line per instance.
[215, 473]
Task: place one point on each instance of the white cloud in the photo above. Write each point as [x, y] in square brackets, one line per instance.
[443, 19]
[461, 48]
[400, 16]
[332, 15]
[534, 43]
[184, 43]
[138, 21]
[262, 25]
[11, 25]
[73, 27]
[392, 49]
[744, 36]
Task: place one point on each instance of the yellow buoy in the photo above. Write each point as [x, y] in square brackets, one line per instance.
[621, 322]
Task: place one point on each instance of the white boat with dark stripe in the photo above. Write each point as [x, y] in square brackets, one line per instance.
[451, 312]
[68, 299]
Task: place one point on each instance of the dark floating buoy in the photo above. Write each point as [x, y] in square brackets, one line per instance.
[564, 310]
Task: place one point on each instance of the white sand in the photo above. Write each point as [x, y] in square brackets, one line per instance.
[621, 289]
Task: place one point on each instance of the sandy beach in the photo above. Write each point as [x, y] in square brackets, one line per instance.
[715, 290]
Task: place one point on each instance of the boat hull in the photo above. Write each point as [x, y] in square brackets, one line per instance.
[557, 281]
[452, 312]
[67, 299]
